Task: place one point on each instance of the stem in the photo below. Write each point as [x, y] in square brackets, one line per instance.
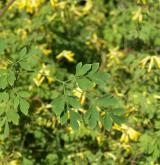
[6, 7]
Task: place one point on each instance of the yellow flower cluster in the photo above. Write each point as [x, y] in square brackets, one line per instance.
[43, 73]
[151, 61]
[128, 133]
[68, 55]
[29, 5]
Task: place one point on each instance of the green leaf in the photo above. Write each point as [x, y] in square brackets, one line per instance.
[2, 45]
[13, 116]
[58, 105]
[118, 119]
[23, 52]
[93, 118]
[25, 65]
[107, 122]
[24, 94]
[95, 67]
[4, 96]
[78, 68]
[83, 70]
[11, 78]
[107, 101]
[118, 111]
[2, 110]
[2, 122]
[73, 120]
[16, 102]
[24, 106]
[3, 81]
[6, 129]
[64, 118]
[74, 102]
[99, 78]
[84, 83]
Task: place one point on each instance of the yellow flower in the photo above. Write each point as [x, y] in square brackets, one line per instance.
[128, 133]
[43, 73]
[55, 3]
[80, 94]
[45, 50]
[67, 55]
[29, 5]
[151, 61]
[88, 6]
[14, 162]
[137, 15]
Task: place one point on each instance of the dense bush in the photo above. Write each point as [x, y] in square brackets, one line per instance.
[53, 109]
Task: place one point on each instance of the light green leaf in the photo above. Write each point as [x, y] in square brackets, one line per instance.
[4, 96]
[64, 118]
[95, 67]
[16, 102]
[83, 70]
[118, 111]
[118, 119]
[107, 122]
[74, 102]
[85, 83]
[6, 129]
[24, 106]
[25, 65]
[99, 78]
[93, 118]
[73, 120]
[58, 105]
[2, 122]
[13, 116]
[3, 81]
[2, 110]
[107, 101]
[11, 78]
[78, 68]
[24, 94]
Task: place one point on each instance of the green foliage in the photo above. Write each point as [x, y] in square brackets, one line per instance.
[55, 109]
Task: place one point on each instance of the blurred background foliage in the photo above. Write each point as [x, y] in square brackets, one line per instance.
[124, 36]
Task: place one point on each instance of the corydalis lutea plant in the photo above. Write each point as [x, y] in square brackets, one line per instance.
[99, 107]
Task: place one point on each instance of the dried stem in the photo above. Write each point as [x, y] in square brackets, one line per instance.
[6, 7]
